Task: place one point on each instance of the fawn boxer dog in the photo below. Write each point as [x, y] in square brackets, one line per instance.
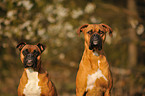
[35, 81]
[94, 76]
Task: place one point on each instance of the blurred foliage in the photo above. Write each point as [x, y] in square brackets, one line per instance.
[54, 23]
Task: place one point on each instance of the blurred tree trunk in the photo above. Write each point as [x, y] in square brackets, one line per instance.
[132, 47]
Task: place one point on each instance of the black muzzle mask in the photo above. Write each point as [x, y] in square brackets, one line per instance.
[95, 42]
[30, 60]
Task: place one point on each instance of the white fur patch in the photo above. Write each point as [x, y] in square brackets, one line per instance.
[99, 63]
[95, 53]
[32, 88]
[92, 78]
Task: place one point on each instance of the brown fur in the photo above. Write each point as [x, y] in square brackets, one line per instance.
[89, 64]
[47, 87]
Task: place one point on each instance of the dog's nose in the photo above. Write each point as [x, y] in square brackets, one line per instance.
[95, 36]
[29, 55]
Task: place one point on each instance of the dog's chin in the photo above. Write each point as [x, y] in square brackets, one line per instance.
[95, 47]
[30, 65]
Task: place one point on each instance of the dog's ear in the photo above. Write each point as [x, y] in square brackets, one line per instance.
[107, 28]
[81, 29]
[41, 47]
[21, 45]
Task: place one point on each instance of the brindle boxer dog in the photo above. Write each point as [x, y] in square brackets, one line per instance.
[94, 76]
[35, 81]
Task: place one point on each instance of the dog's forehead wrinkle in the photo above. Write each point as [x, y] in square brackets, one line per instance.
[91, 29]
[31, 48]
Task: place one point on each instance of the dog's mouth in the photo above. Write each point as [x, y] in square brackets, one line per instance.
[30, 61]
[95, 42]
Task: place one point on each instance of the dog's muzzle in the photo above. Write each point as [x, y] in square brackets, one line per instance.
[95, 42]
[30, 60]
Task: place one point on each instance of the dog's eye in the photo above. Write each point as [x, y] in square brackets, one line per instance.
[25, 52]
[36, 53]
[90, 32]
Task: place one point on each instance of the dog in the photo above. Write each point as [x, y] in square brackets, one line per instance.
[35, 81]
[94, 76]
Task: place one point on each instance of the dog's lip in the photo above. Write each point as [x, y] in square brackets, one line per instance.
[95, 42]
[29, 64]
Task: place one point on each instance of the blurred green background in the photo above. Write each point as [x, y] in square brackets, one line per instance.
[55, 22]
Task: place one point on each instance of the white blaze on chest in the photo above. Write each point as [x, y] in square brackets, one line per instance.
[95, 53]
[92, 78]
[32, 88]
[99, 63]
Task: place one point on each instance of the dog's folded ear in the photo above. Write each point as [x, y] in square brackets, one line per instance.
[81, 29]
[41, 47]
[107, 29]
[21, 45]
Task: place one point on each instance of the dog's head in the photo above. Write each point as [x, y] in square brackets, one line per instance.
[95, 35]
[30, 54]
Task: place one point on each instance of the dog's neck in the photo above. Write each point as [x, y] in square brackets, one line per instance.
[96, 53]
[94, 56]
[38, 69]
[93, 52]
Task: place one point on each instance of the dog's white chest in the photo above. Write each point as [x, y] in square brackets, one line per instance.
[32, 88]
[92, 78]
